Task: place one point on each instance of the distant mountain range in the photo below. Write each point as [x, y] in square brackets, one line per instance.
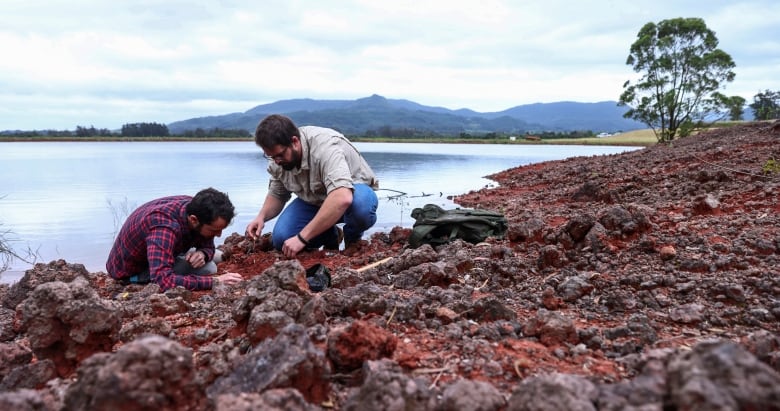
[375, 113]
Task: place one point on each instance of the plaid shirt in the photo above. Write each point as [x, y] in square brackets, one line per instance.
[151, 238]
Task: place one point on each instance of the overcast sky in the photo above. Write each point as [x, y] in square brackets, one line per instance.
[107, 63]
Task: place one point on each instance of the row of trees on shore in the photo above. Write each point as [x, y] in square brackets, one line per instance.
[130, 130]
[161, 130]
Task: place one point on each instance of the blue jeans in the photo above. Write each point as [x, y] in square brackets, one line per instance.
[358, 218]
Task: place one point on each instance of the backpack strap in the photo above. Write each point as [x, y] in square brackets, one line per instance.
[454, 232]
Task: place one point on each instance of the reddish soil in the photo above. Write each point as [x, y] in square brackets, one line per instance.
[672, 183]
[606, 257]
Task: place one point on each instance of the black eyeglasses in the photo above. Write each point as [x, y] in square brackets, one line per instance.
[278, 156]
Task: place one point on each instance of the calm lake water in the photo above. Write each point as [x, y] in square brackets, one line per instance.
[67, 200]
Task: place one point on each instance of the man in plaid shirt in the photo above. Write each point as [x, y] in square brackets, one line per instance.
[170, 241]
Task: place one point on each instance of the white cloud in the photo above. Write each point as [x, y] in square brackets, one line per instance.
[80, 62]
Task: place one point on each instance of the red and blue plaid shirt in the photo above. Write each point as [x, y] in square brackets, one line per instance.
[151, 238]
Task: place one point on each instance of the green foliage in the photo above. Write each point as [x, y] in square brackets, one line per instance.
[686, 128]
[736, 107]
[771, 166]
[144, 130]
[91, 131]
[34, 134]
[682, 71]
[766, 105]
[216, 133]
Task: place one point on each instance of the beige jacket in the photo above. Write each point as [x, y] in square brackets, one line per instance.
[329, 161]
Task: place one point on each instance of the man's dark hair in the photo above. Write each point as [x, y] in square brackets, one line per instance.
[209, 204]
[274, 130]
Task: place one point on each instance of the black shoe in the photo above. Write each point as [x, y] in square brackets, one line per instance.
[339, 239]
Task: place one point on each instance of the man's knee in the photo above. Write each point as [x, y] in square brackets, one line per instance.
[208, 269]
[363, 221]
[217, 256]
[183, 267]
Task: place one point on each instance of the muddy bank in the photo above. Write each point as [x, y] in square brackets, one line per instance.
[643, 280]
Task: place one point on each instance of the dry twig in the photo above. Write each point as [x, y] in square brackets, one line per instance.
[374, 264]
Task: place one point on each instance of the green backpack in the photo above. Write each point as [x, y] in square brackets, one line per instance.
[434, 225]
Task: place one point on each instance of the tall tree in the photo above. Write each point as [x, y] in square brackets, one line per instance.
[736, 107]
[682, 72]
[766, 105]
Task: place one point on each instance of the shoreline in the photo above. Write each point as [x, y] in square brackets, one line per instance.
[587, 141]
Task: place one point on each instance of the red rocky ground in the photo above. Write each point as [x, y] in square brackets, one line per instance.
[643, 280]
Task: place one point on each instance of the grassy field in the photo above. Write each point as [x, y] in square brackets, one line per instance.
[644, 137]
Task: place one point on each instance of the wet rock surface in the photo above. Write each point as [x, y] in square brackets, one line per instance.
[643, 280]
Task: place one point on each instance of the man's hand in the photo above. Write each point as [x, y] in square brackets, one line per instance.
[229, 278]
[196, 259]
[292, 246]
[255, 228]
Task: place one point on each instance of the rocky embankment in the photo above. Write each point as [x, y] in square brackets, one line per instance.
[647, 280]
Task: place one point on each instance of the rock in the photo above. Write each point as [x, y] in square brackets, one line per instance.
[765, 346]
[34, 375]
[40, 274]
[667, 252]
[7, 332]
[551, 301]
[289, 360]
[144, 325]
[287, 399]
[551, 328]
[619, 220]
[266, 324]
[68, 322]
[152, 373]
[579, 226]
[647, 391]
[687, 314]
[573, 288]
[29, 400]
[490, 309]
[471, 395]
[387, 388]
[361, 341]
[553, 392]
[530, 229]
[721, 375]
[13, 355]
[707, 204]
[551, 257]
[446, 315]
